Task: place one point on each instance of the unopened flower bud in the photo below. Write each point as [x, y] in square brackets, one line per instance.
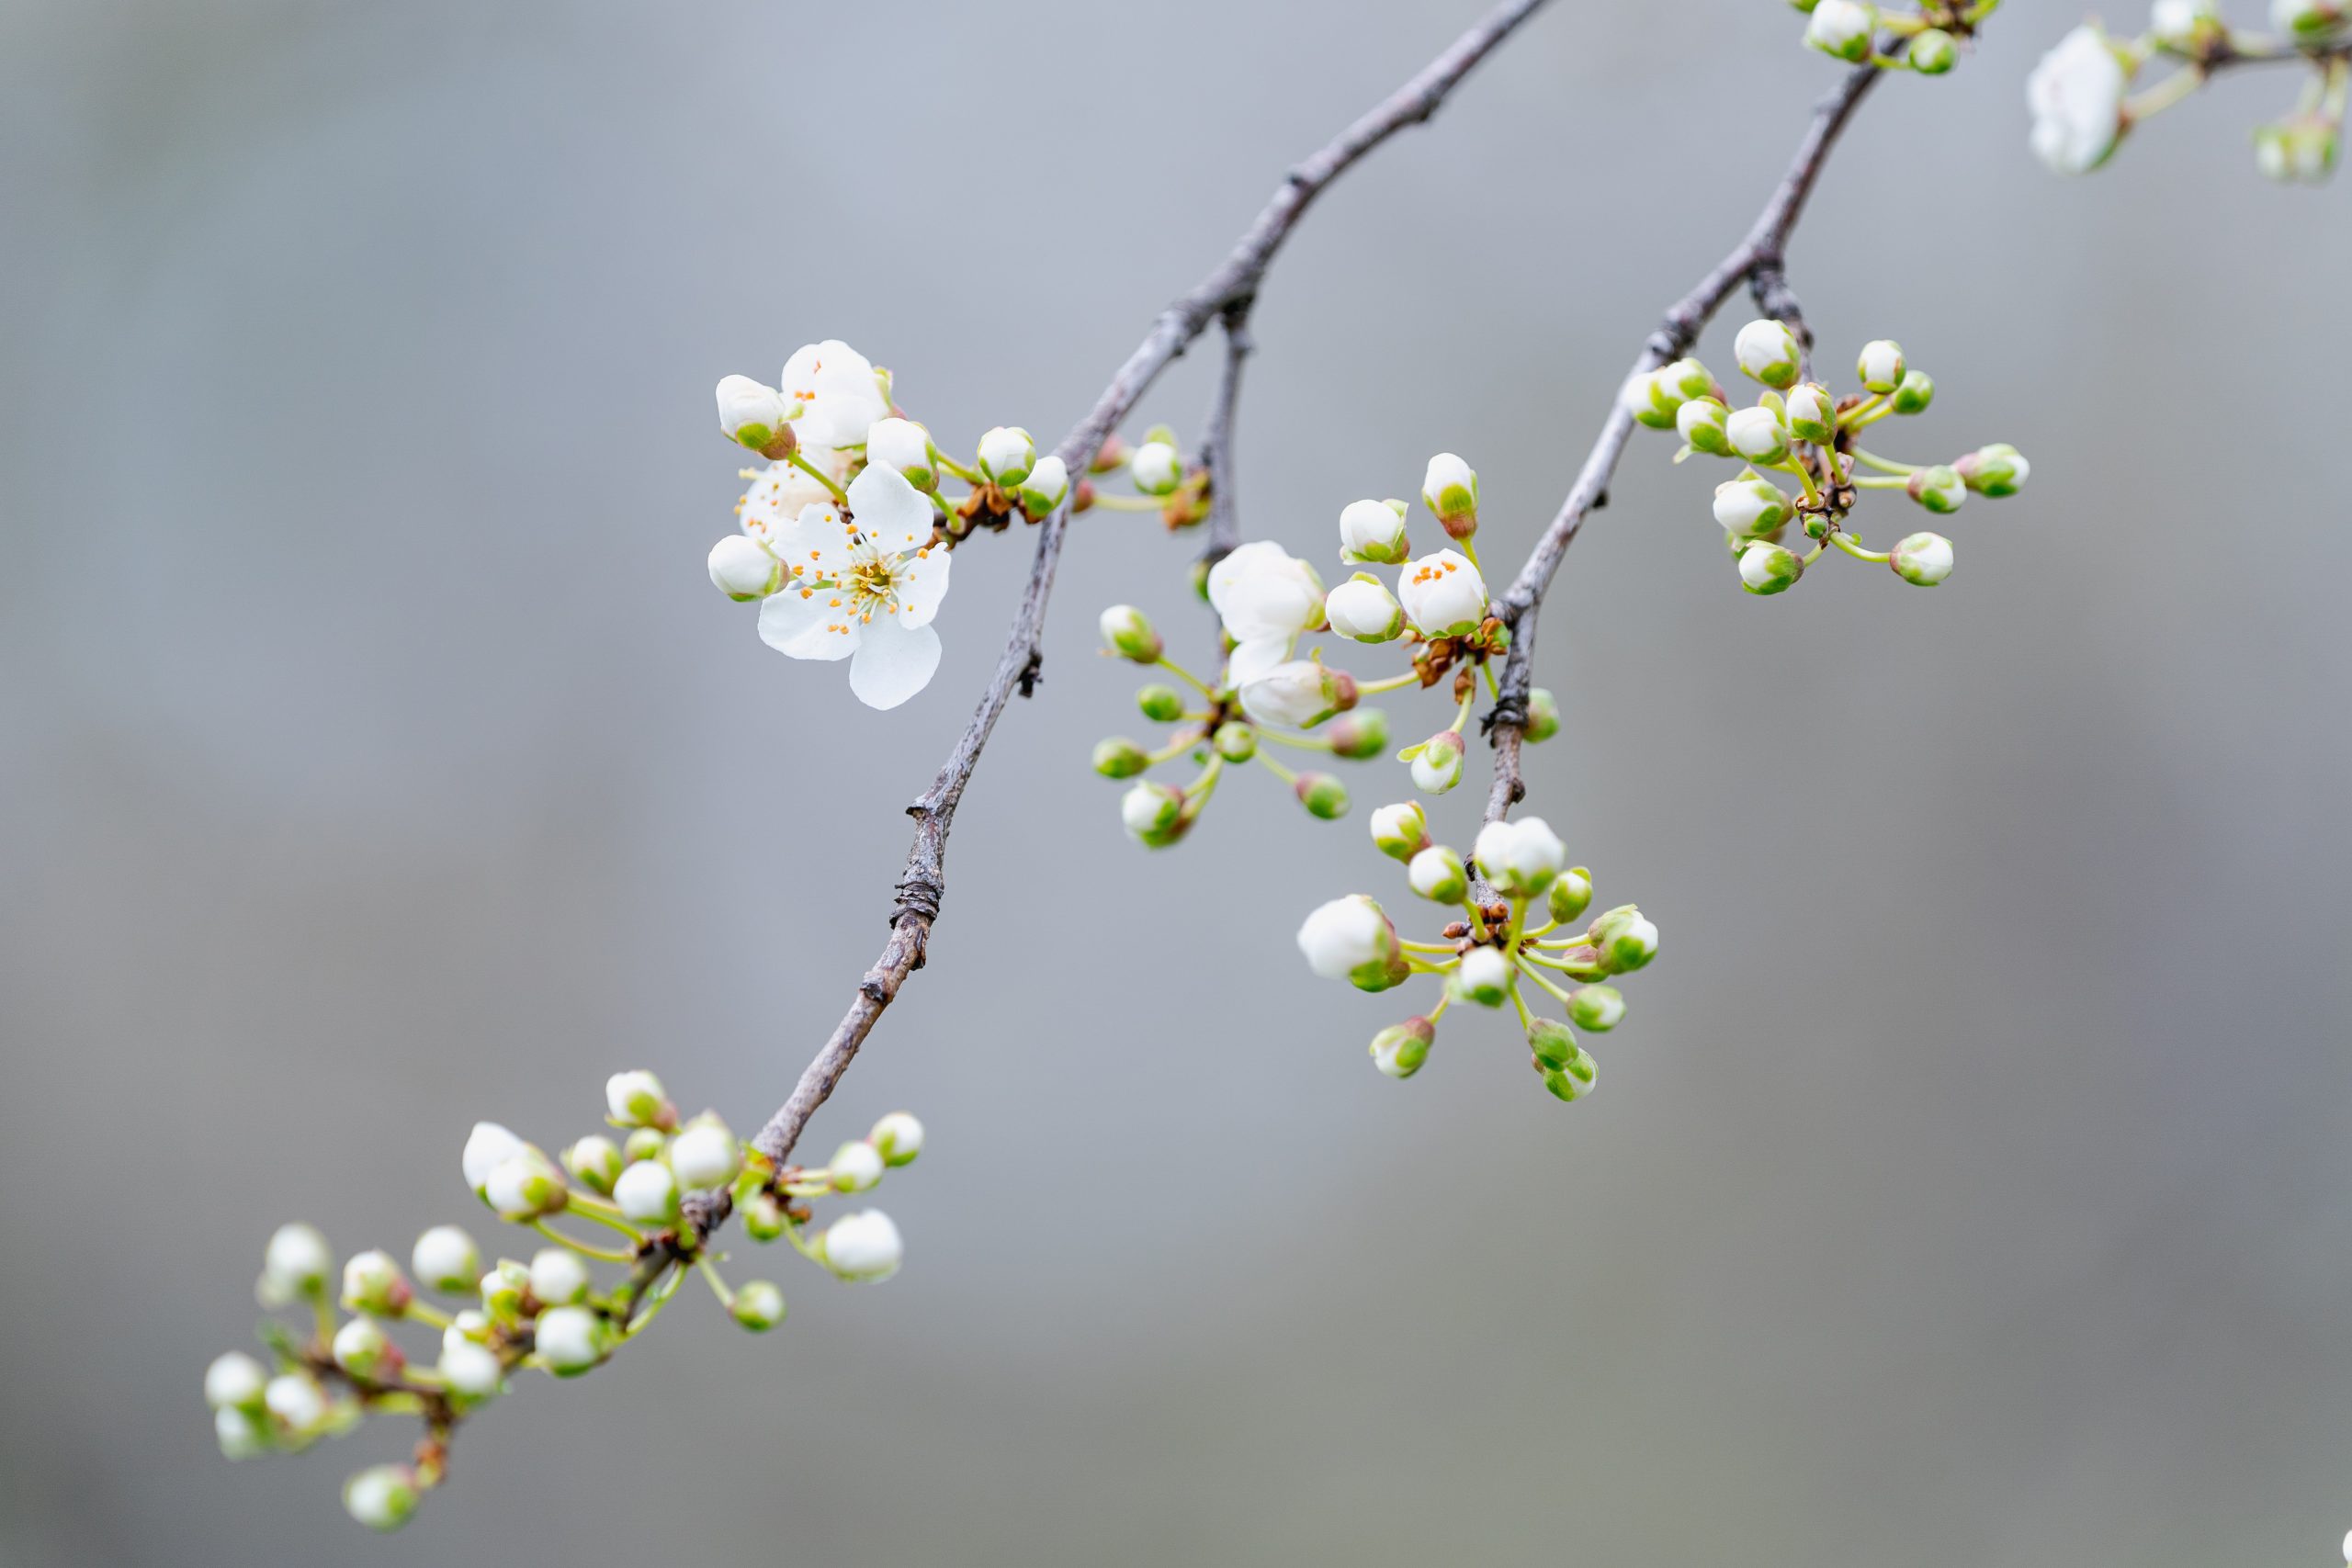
[1701, 421]
[1322, 794]
[862, 1247]
[704, 1153]
[1597, 1007]
[898, 1136]
[1994, 471]
[647, 1193]
[559, 1278]
[1164, 704]
[471, 1372]
[595, 1162]
[635, 1100]
[468, 1323]
[1553, 1043]
[1401, 832]
[1570, 894]
[1521, 858]
[1924, 560]
[488, 1146]
[2308, 20]
[1768, 569]
[1758, 435]
[1918, 391]
[295, 1266]
[366, 1351]
[382, 1497]
[742, 570]
[1350, 938]
[856, 1167]
[1120, 758]
[1374, 531]
[1112, 455]
[1401, 1048]
[1363, 608]
[1650, 401]
[372, 1283]
[1940, 488]
[1542, 716]
[1751, 505]
[1881, 368]
[1768, 350]
[1684, 380]
[296, 1403]
[1437, 764]
[1007, 454]
[1484, 977]
[234, 1380]
[1442, 593]
[1450, 489]
[1153, 814]
[751, 413]
[1127, 632]
[1046, 486]
[1301, 694]
[1812, 415]
[571, 1339]
[1845, 29]
[502, 1290]
[903, 445]
[1157, 469]
[240, 1434]
[1625, 938]
[447, 1261]
[644, 1144]
[1572, 1082]
[1235, 740]
[762, 1216]
[759, 1306]
[1932, 52]
[2302, 148]
[1438, 874]
[526, 1186]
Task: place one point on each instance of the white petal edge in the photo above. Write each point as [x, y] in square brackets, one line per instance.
[795, 623]
[893, 663]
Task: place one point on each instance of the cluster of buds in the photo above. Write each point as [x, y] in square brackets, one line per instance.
[1265, 694]
[1926, 39]
[846, 536]
[549, 1312]
[2083, 102]
[1165, 480]
[1799, 428]
[1495, 950]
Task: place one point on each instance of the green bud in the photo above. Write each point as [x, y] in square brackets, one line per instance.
[1932, 52]
[1940, 488]
[1918, 391]
[1623, 939]
[1235, 741]
[1163, 704]
[1572, 1082]
[1553, 1042]
[1401, 1048]
[1127, 632]
[1119, 758]
[1482, 976]
[1542, 716]
[595, 1162]
[759, 1306]
[1154, 814]
[1880, 369]
[1322, 794]
[1700, 424]
[762, 1216]
[645, 1143]
[1768, 569]
[1922, 560]
[1358, 734]
[1438, 874]
[1994, 471]
[502, 1290]
[1571, 894]
[1751, 507]
[1812, 413]
[1400, 832]
[1597, 1007]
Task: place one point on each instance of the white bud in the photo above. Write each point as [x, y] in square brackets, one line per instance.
[467, 1324]
[647, 1193]
[1361, 608]
[1924, 560]
[1442, 593]
[488, 1146]
[1450, 489]
[296, 1402]
[444, 1259]
[1810, 414]
[239, 1434]
[362, 1349]
[856, 1167]
[1153, 813]
[903, 445]
[759, 1306]
[2077, 95]
[741, 570]
[1046, 486]
[1768, 569]
[1301, 694]
[571, 1339]
[1751, 504]
[595, 1162]
[559, 1278]
[1438, 874]
[372, 1283]
[751, 412]
[295, 1266]
[1401, 831]
[1843, 29]
[525, 1186]
[636, 1099]
[235, 1379]
[1374, 531]
[1484, 977]
[1129, 632]
[1007, 454]
[863, 1247]
[1437, 767]
[1757, 435]
[1156, 468]
[898, 1137]
[2309, 19]
[1350, 938]
[1881, 368]
[472, 1371]
[1521, 858]
[704, 1153]
[1767, 350]
[382, 1497]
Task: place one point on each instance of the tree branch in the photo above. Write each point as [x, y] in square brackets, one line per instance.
[1217, 440]
[1227, 292]
[1758, 261]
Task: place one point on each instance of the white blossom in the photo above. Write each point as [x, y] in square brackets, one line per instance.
[1442, 593]
[1437, 873]
[2076, 97]
[840, 395]
[861, 587]
[751, 412]
[1521, 857]
[1364, 609]
[1300, 695]
[863, 1247]
[1266, 597]
[1373, 531]
[903, 445]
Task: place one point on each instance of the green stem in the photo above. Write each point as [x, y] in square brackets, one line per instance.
[1885, 465]
[2172, 90]
[1526, 968]
[1393, 684]
[814, 472]
[1111, 503]
[969, 476]
[1185, 675]
[718, 1286]
[1854, 548]
[425, 1312]
[1296, 743]
[1286, 774]
[602, 1254]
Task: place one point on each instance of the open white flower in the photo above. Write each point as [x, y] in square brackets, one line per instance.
[839, 394]
[2076, 96]
[1266, 597]
[861, 587]
[1442, 592]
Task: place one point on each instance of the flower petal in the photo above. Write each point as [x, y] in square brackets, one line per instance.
[893, 663]
[810, 622]
[887, 510]
[1252, 659]
[815, 544]
[923, 584]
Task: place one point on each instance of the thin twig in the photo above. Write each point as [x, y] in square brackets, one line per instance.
[1227, 291]
[1217, 440]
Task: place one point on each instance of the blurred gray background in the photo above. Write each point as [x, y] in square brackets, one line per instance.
[1972, 1183]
